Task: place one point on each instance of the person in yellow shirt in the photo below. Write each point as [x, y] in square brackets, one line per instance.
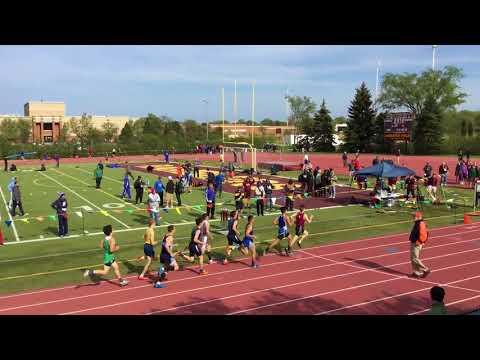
[148, 250]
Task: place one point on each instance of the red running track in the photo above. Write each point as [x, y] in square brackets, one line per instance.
[367, 276]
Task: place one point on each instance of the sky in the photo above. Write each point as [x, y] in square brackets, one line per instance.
[174, 80]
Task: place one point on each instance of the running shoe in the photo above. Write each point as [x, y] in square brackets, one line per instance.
[211, 261]
[123, 282]
[254, 266]
[425, 273]
[299, 244]
[225, 262]
[286, 252]
[203, 272]
[86, 273]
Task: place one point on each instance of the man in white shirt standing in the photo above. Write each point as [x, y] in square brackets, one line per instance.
[154, 205]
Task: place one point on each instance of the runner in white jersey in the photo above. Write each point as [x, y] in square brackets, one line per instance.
[205, 235]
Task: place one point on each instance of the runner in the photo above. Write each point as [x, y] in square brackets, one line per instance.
[109, 247]
[148, 250]
[248, 241]
[233, 236]
[167, 256]
[300, 233]
[195, 247]
[206, 237]
[283, 221]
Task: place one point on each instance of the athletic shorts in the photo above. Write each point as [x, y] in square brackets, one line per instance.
[167, 260]
[110, 263]
[194, 250]
[148, 250]
[299, 230]
[247, 242]
[233, 239]
[238, 205]
[282, 236]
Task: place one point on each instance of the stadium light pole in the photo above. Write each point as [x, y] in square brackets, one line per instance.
[434, 50]
[253, 110]
[206, 112]
[223, 115]
[235, 107]
[377, 81]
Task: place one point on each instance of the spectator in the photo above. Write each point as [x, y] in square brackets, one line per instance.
[398, 155]
[410, 182]
[61, 205]
[269, 193]
[472, 174]
[166, 156]
[13, 167]
[219, 179]
[196, 169]
[437, 294]
[98, 173]
[463, 174]
[57, 160]
[375, 161]
[169, 190]
[138, 186]
[159, 188]
[427, 169]
[17, 200]
[418, 238]
[333, 180]
[210, 199]
[260, 195]
[356, 164]
[154, 206]
[210, 177]
[179, 190]
[443, 171]
[344, 159]
[289, 194]
[114, 152]
[460, 155]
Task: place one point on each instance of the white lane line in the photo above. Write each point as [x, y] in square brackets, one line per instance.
[84, 199]
[349, 288]
[102, 191]
[395, 296]
[448, 304]
[293, 260]
[251, 279]
[15, 233]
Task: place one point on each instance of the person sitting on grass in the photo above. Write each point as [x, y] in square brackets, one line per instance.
[437, 294]
[109, 247]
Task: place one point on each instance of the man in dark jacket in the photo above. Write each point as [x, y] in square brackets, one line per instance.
[178, 191]
[60, 205]
[169, 190]
[138, 186]
[17, 200]
[418, 237]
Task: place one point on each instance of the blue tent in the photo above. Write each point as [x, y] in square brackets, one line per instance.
[385, 170]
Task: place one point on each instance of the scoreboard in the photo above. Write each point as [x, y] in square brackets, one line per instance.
[398, 126]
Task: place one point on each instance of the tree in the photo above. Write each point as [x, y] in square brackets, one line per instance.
[383, 145]
[24, 129]
[301, 108]
[74, 126]
[339, 120]
[64, 133]
[9, 130]
[463, 128]
[126, 135]
[110, 131]
[360, 124]
[470, 129]
[153, 125]
[267, 122]
[412, 91]
[323, 139]
[84, 129]
[427, 134]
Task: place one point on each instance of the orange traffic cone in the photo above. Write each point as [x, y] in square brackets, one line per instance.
[467, 219]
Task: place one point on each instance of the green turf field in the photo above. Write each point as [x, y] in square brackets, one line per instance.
[37, 258]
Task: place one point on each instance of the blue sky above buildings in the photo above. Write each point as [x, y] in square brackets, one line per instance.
[173, 80]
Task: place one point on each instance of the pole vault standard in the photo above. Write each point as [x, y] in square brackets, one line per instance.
[252, 149]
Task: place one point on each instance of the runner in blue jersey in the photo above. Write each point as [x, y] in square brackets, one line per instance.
[248, 241]
[283, 222]
[233, 236]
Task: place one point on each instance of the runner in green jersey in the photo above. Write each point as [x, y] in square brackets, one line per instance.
[109, 247]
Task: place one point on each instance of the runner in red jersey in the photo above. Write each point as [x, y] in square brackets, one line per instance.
[300, 219]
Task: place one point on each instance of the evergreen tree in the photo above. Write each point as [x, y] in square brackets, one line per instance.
[126, 136]
[323, 130]
[383, 145]
[361, 117]
[427, 132]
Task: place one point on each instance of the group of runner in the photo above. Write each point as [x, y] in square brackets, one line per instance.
[200, 245]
